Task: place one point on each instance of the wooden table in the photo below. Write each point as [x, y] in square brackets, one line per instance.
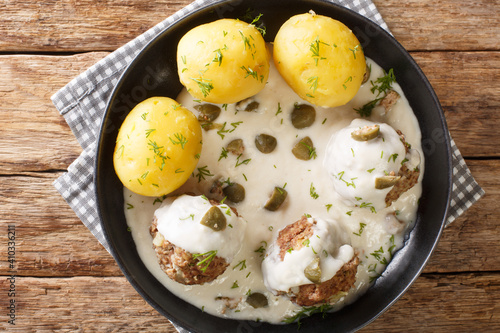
[66, 281]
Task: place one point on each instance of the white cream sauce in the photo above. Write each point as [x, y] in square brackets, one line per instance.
[179, 222]
[310, 191]
[354, 165]
[328, 243]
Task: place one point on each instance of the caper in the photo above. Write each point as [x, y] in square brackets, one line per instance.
[366, 133]
[367, 74]
[236, 147]
[304, 149]
[276, 200]
[209, 126]
[234, 192]
[247, 105]
[265, 143]
[386, 181]
[303, 115]
[257, 300]
[208, 112]
[214, 219]
[313, 271]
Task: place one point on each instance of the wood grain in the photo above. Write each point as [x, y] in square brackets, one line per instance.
[466, 84]
[90, 25]
[52, 241]
[66, 281]
[78, 26]
[34, 136]
[471, 242]
[45, 142]
[443, 25]
[433, 303]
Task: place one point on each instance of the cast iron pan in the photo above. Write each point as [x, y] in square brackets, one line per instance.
[154, 73]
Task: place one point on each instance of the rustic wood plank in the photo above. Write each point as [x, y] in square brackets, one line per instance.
[468, 87]
[464, 303]
[80, 304]
[471, 242]
[443, 25]
[90, 25]
[458, 77]
[78, 26]
[52, 241]
[34, 136]
[445, 303]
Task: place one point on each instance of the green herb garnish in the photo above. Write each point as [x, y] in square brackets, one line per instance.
[312, 192]
[202, 172]
[242, 265]
[207, 259]
[361, 228]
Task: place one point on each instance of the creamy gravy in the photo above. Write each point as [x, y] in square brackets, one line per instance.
[310, 191]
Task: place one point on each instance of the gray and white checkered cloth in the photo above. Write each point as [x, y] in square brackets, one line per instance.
[83, 101]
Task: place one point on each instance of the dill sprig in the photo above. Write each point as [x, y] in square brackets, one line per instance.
[202, 172]
[252, 73]
[341, 175]
[242, 265]
[207, 259]
[223, 154]
[313, 81]
[384, 83]
[312, 192]
[238, 163]
[361, 228]
[368, 205]
[205, 85]
[307, 311]
[314, 48]
[366, 110]
[180, 140]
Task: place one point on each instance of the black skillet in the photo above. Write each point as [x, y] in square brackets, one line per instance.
[154, 73]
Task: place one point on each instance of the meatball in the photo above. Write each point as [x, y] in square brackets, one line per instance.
[342, 281]
[371, 164]
[183, 266]
[195, 239]
[310, 261]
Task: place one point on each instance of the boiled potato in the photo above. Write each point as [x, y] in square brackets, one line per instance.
[157, 147]
[320, 59]
[224, 61]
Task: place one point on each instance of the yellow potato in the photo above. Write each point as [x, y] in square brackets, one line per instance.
[157, 147]
[224, 61]
[320, 59]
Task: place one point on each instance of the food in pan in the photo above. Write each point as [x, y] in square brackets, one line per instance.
[195, 238]
[268, 157]
[224, 61]
[157, 147]
[320, 58]
[371, 164]
[311, 261]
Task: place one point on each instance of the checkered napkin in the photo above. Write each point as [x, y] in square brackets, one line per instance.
[83, 101]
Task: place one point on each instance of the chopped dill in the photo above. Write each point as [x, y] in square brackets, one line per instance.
[307, 311]
[361, 228]
[180, 140]
[202, 172]
[207, 259]
[312, 192]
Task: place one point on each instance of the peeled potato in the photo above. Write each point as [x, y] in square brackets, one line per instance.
[158, 147]
[224, 61]
[320, 59]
